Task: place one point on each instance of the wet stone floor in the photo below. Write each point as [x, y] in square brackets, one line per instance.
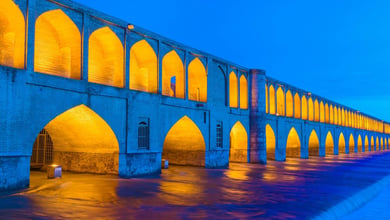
[297, 188]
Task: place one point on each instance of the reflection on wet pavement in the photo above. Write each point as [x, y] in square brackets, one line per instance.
[297, 188]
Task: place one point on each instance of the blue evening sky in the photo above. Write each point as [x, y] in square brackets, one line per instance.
[336, 49]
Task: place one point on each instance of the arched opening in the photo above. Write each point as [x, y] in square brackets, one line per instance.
[351, 144]
[304, 108]
[184, 144]
[12, 35]
[341, 144]
[105, 58]
[243, 92]
[342, 117]
[197, 81]
[366, 144]
[266, 99]
[79, 140]
[372, 144]
[316, 111]
[322, 112]
[272, 100]
[382, 144]
[280, 101]
[297, 106]
[329, 144]
[326, 113]
[359, 144]
[289, 104]
[270, 142]
[233, 90]
[293, 146]
[314, 144]
[143, 68]
[57, 45]
[339, 116]
[238, 143]
[173, 76]
[331, 121]
[311, 109]
[335, 115]
[377, 143]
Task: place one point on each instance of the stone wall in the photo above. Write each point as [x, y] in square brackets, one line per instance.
[184, 157]
[14, 172]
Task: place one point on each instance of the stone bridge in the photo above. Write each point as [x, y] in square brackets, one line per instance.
[96, 94]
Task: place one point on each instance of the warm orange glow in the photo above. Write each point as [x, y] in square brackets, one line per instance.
[293, 146]
[297, 106]
[366, 144]
[12, 35]
[351, 144]
[329, 145]
[280, 102]
[341, 143]
[359, 144]
[339, 116]
[271, 100]
[81, 130]
[372, 143]
[266, 99]
[197, 81]
[322, 112]
[243, 92]
[105, 61]
[381, 143]
[342, 117]
[233, 90]
[316, 111]
[143, 67]
[377, 143]
[311, 110]
[173, 76]
[314, 144]
[335, 115]
[304, 108]
[184, 144]
[331, 121]
[289, 104]
[57, 45]
[327, 113]
[238, 143]
[270, 142]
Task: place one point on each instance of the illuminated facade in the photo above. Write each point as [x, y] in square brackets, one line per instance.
[95, 94]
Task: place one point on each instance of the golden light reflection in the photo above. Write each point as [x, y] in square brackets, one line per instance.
[270, 142]
[377, 143]
[197, 81]
[316, 111]
[280, 102]
[233, 90]
[314, 144]
[351, 144]
[293, 146]
[12, 35]
[327, 120]
[237, 174]
[57, 45]
[173, 76]
[243, 92]
[322, 112]
[331, 121]
[359, 143]
[304, 108]
[143, 67]
[329, 144]
[177, 193]
[272, 100]
[311, 109]
[341, 143]
[366, 144]
[289, 104]
[105, 61]
[372, 143]
[297, 106]
[238, 143]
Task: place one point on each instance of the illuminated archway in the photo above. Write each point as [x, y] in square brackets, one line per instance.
[316, 111]
[331, 119]
[238, 143]
[270, 142]
[311, 109]
[293, 146]
[197, 81]
[359, 144]
[322, 112]
[297, 106]
[233, 90]
[339, 119]
[351, 144]
[143, 67]
[184, 144]
[83, 142]
[289, 104]
[341, 143]
[105, 61]
[314, 144]
[280, 101]
[304, 108]
[377, 143]
[243, 92]
[372, 144]
[335, 115]
[12, 35]
[266, 99]
[173, 76]
[272, 100]
[382, 144]
[342, 117]
[366, 144]
[57, 45]
[327, 113]
[329, 144]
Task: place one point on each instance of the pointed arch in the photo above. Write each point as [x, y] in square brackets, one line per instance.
[304, 108]
[272, 100]
[243, 92]
[173, 76]
[266, 99]
[331, 119]
[316, 111]
[184, 144]
[280, 101]
[341, 143]
[105, 61]
[314, 144]
[359, 144]
[366, 144]
[329, 144]
[57, 45]
[322, 112]
[289, 104]
[382, 144]
[197, 81]
[233, 90]
[327, 113]
[293, 144]
[377, 143]
[311, 109]
[12, 35]
[270, 142]
[297, 106]
[143, 67]
[238, 143]
[335, 115]
[372, 143]
[351, 144]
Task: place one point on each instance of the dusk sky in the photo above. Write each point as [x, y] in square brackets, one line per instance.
[336, 49]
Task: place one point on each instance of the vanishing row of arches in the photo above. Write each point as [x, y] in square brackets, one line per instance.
[58, 51]
[352, 145]
[284, 103]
